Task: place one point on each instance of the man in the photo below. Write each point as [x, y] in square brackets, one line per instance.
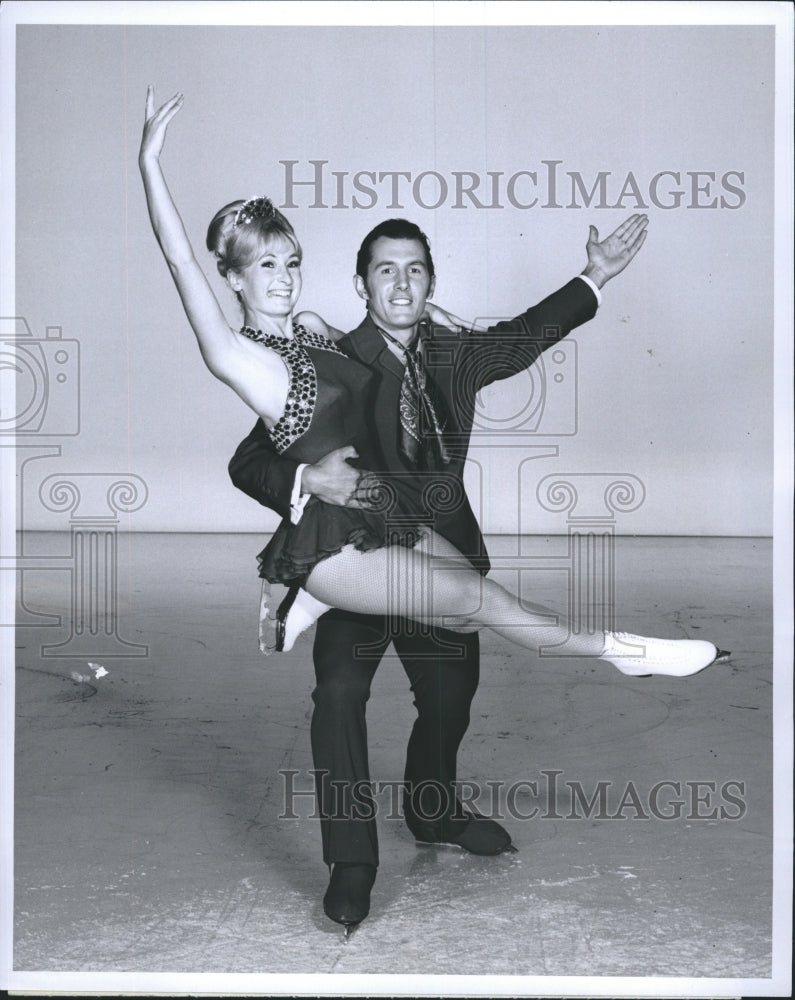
[395, 276]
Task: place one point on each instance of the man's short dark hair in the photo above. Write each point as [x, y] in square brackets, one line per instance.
[393, 229]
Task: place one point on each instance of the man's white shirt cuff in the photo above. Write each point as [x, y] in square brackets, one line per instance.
[597, 292]
[298, 500]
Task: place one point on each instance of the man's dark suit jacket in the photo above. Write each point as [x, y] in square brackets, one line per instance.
[461, 364]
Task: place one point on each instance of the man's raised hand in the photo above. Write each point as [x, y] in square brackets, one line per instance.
[609, 257]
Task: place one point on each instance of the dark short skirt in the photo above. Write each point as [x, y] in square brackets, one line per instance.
[323, 531]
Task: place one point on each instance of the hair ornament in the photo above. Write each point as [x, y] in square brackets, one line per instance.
[254, 208]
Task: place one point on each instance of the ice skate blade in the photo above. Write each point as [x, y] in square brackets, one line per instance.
[721, 656]
[273, 628]
[441, 845]
[349, 931]
[448, 846]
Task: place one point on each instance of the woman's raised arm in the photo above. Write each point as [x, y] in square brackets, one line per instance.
[217, 341]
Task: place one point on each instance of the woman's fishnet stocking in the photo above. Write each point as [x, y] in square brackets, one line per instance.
[433, 583]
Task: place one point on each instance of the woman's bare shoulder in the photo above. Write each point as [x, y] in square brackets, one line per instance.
[317, 324]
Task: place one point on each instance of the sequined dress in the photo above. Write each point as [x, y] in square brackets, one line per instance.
[327, 407]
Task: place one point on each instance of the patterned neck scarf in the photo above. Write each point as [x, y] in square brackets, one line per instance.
[423, 414]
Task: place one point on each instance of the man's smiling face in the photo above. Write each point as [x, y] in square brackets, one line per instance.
[398, 284]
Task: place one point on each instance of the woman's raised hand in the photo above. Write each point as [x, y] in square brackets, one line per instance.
[156, 124]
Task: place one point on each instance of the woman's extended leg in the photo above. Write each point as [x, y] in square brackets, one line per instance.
[434, 583]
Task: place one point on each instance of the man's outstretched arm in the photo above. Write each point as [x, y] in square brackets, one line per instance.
[511, 346]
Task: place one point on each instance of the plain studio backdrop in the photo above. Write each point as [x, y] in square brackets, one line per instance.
[671, 383]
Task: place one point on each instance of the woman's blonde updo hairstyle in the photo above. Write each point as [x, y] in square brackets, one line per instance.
[241, 230]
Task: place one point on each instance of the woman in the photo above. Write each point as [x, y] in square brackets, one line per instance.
[312, 399]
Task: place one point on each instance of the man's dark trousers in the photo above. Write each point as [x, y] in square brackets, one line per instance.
[443, 676]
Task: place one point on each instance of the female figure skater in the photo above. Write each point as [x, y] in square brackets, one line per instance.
[312, 398]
